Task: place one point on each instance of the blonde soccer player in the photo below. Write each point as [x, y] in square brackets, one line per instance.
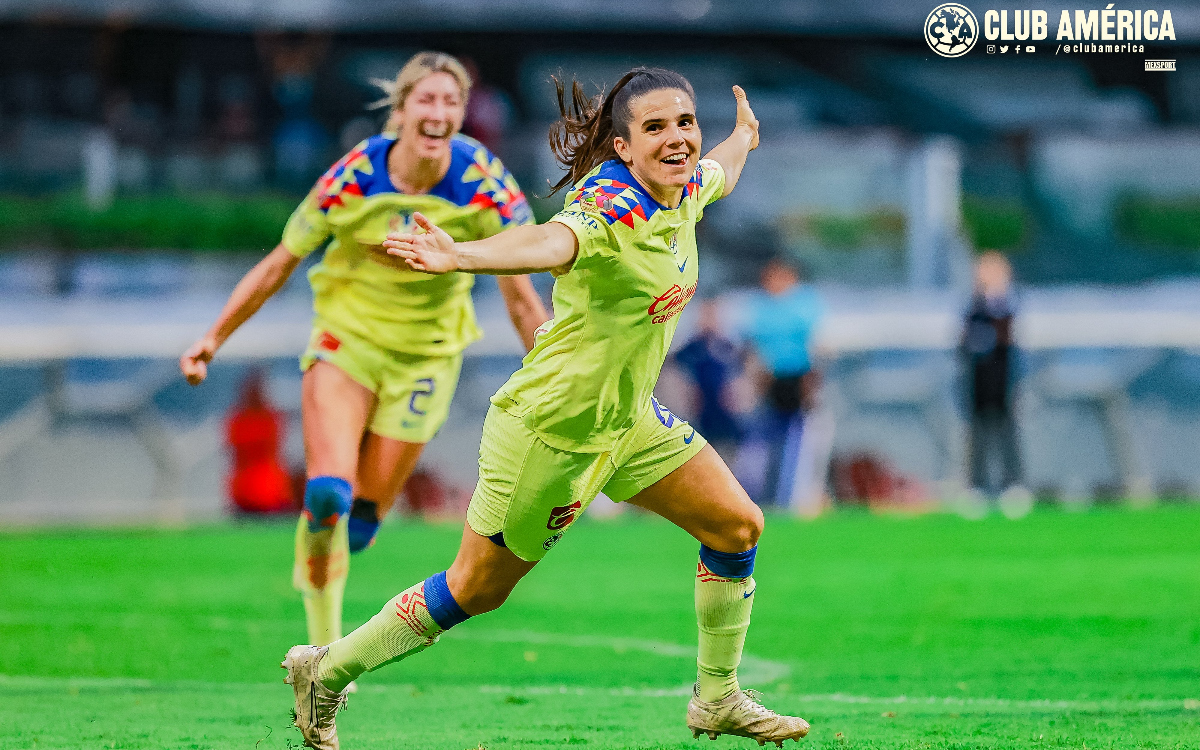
[386, 348]
[579, 417]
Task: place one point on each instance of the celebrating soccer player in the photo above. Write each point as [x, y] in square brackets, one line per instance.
[387, 341]
[579, 417]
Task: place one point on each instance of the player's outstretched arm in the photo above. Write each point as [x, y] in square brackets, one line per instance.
[255, 288]
[529, 249]
[732, 152]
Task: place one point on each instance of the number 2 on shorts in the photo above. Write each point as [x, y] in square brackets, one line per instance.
[427, 390]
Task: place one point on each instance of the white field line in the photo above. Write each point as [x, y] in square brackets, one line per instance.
[753, 670]
[869, 700]
[78, 684]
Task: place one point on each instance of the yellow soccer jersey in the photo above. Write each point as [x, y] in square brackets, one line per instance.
[593, 369]
[358, 287]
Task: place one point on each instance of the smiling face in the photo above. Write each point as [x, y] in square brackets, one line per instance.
[431, 115]
[664, 143]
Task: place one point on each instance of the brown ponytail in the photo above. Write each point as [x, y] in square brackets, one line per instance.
[583, 137]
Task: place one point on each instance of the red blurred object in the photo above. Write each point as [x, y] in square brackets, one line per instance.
[866, 479]
[425, 492]
[254, 431]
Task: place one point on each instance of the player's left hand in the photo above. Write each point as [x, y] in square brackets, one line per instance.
[194, 362]
[745, 116]
[432, 251]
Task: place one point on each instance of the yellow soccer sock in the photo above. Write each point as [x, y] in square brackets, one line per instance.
[723, 614]
[322, 564]
[402, 628]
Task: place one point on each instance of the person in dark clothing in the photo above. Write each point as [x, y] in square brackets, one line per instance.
[987, 348]
[712, 361]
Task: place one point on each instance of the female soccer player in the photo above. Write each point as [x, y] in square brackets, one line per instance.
[579, 417]
[386, 348]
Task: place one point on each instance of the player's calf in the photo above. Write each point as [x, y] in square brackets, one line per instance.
[322, 560]
[363, 524]
[411, 622]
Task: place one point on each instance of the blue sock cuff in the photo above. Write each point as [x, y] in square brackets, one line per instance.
[362, 533]
[326, 499]
[442, 607]
[729, 564]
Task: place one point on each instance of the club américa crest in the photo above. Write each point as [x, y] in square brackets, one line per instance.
[951, 30]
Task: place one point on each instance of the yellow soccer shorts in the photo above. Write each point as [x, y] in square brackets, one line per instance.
[532, 493]
[413, 392]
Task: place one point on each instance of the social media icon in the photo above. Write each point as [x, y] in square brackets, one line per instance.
[1030, 48]
[991, 49]
[1003, 49]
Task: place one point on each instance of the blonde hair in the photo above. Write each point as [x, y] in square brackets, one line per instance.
[418, 67]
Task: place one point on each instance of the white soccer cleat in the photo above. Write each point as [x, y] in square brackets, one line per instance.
[741, 715]
[316, 705]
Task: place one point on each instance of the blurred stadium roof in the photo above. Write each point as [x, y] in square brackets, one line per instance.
[850, 17]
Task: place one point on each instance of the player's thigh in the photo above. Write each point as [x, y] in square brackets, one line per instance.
[703, 498]
[529, 493]
[673, 472]
[384, 465]
[335, 410]
[414, 396]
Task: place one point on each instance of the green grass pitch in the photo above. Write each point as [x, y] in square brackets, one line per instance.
[1057, 631]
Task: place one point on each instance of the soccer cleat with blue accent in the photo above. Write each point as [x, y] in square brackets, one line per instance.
[742, 715]
[316, 705]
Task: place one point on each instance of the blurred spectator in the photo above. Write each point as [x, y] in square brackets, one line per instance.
[712, 361]
[489, 110]
[235, 118]
[987, 342]
[254, 431]
[299, 140]
[782, 319]
[131, 122]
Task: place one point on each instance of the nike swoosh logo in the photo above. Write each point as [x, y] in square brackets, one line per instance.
[749, 593]
[685, 260]
[688, 440]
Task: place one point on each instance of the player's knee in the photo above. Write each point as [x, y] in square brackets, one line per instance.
[363, 524]
[743, 533]
[753, 528]
[326, 500]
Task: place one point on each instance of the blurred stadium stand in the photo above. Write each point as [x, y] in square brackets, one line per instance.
[881, 167]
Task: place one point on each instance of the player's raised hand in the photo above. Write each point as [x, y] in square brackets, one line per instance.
[194, 362]
[745, 115]
[431, 251]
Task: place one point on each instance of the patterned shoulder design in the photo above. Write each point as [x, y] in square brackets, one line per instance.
[478, 178]
[360, 173]
[612, 193]
[696, 182]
